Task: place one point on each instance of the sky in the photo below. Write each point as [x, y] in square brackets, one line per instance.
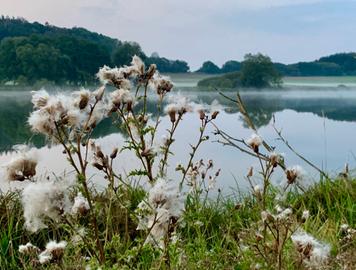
[199, 30]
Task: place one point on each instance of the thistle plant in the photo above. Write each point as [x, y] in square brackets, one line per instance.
[70, 119]
[157, 215]
[278, 225]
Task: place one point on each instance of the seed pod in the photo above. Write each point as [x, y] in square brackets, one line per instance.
[151, 71]
[214, 114]
[172, 115]
[201, 114]
[83, 102]
[98, 166]
[99, 93]
[114, 153]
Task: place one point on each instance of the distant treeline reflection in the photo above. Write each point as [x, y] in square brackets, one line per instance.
[15, 109]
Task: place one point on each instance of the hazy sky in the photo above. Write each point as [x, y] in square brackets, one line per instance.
[197, 30]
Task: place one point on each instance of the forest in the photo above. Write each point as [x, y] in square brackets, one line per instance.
[31, 52]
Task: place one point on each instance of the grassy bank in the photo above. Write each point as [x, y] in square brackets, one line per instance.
[55, 223]
[214, 234]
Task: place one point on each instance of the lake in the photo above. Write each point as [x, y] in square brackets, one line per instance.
[316, 115]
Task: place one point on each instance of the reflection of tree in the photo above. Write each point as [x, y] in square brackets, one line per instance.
[15, 109]
[260, 110]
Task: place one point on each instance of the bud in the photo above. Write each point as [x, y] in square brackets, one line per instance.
[250, 172]
[305, 215]
[210, 164]
[151, 71]
[291, 176]
[98, 166]
[99, 153]
[201, 114]
[214, 114]
[172, 115]
[99, 93]
[114, 153]
[83, 102]
[259, 237]
[129, 106]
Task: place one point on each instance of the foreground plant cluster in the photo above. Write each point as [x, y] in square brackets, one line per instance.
[65, 222]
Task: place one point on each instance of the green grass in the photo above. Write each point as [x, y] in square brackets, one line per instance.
[211, 234]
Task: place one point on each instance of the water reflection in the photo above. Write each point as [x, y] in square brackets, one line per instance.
[319, 124]
[336, 105]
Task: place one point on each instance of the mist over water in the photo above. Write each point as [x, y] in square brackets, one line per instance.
[319, 121]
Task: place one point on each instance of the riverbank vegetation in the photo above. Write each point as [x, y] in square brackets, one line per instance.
[152, 217]
[257, 71]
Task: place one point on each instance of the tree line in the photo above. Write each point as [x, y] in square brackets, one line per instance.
[339, 64]
[30, 52]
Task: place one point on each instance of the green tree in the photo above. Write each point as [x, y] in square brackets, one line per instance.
[124, 53]
[231, 66]
[258, 71]
[166, 65]
[209, 68]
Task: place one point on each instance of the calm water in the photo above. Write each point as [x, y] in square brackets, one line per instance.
[318, 120]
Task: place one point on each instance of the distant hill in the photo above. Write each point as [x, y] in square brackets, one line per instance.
[340, 64]
[31, 52]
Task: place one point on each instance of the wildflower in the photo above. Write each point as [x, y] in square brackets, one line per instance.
[163, 207]
[114, 153]
[115, 76]
[43, 199]
[275, 158]
[54, 251]
[44, 257]
[201, 114]
[28, 248]
[284, 214]
[258, 236]
[214, 114]
[23, 166]
[278, 208]
[254, 142]
[148, 152]
[39, 98]
[81, 205]
[100, 161]
[97, 115]
[305, 215]
[344, 227]
[294, 174]
[98, 94]
[313, 251]
[212, 180]
[171, 110]
[192, 175]
[161, 84]
[250, 172]
[121, 96]
[180, 105]
[266, 216]
[69, 111]
[257, 189]
[82, 98]
[137, 65]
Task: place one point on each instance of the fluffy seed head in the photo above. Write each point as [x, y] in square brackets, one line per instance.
[254, 142]
[23, 166]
